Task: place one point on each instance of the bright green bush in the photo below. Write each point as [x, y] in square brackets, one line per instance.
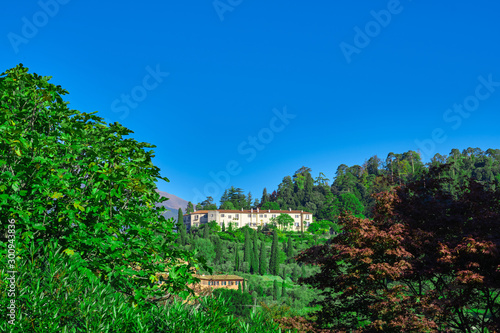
[56, 295]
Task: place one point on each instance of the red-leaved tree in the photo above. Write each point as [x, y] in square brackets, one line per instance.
[428, 261]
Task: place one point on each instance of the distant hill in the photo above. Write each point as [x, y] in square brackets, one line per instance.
[172, 204]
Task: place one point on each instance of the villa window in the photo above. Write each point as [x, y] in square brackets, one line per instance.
[196, 217]
[265, 215]
[229, 216]
[307, 217]
[221, 215]
[261, 215]
[296, 216]
[249, 215]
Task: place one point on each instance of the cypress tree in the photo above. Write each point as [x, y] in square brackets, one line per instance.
[236, 258]
[247, 253]
[262, 266]
[239, 287]
[180, 217]
[223, 226]
[260, 290]
[303, 271]
[289, 248]
[295, 273]
[283, 291]
[274, 260]
[256, 257]
[275, 290]
[206, 232]
[181, 228]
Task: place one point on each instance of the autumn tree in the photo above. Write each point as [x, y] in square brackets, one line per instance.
[427, 261]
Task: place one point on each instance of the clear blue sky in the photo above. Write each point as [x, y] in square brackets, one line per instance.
[357, 79]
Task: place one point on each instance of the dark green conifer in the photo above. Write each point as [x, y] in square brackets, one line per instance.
[236, 258]
[274, 260]
[262, 261]
[275, 290]
[247, 248]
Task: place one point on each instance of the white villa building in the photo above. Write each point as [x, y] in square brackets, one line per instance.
[252, 218]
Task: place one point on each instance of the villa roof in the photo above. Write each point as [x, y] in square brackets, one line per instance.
[218, 277]
[248, 211]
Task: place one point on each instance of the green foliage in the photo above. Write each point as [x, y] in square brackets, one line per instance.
[218, 251]
[67, 176]
[350, 203]
[283, 220]
[189, 208]
[214, 227]
[274, 259]
[237, 301]
[275, 290]
[56, 294]
[236, 258]
[270, 205]
[262, 259]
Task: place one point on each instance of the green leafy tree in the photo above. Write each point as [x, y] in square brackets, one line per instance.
[67, 177]
[351, 203]
[189, 208]
[270, 205]
[283, 220]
